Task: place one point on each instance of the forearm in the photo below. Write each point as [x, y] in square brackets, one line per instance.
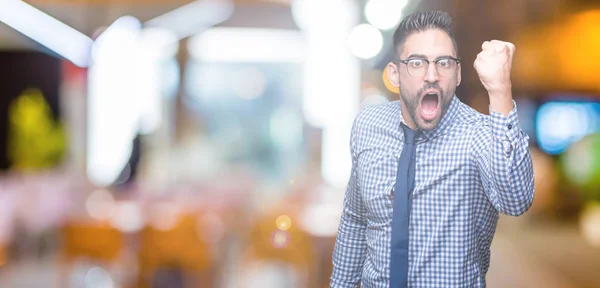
[505, 164]
[512, 174]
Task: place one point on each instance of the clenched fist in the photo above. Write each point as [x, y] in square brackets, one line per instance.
[493, 65]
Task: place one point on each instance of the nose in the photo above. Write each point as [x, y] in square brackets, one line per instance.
[432, 74]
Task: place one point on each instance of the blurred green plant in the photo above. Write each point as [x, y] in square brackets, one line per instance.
[581, 166]
[35, 141]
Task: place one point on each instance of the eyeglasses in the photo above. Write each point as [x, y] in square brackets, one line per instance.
[417, 67]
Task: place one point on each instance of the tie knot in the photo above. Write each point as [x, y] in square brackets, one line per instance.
[409, 134]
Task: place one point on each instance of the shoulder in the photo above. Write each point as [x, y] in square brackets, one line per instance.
[377, 114]
[376, 117]
[374, 120]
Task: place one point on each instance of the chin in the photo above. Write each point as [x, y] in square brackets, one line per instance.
[428, 125]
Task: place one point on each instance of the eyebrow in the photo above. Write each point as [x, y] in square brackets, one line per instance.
[425, 57]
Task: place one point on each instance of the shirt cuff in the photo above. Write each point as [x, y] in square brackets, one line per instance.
[505, 128]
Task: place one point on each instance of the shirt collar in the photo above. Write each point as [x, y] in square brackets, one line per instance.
[441, 127]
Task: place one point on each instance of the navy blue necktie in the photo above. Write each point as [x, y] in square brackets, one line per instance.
[405, 180]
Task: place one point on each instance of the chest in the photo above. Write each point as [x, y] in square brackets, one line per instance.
[444, 176]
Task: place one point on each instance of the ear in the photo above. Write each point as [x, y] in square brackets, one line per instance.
[391, 77]
[459, 76]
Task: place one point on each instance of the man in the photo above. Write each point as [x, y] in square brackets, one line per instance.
[430, 175]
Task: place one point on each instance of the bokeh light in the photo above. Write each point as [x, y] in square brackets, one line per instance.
[384, 14]
[283, 222]
[98, 277]
[365, 41]
[590, 224]
[127, 217]
[280, 239]
[100, 204]
[581, 165]
[559, 124]
[163, 216]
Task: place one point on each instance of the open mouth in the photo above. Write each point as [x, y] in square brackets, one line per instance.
[430, 105]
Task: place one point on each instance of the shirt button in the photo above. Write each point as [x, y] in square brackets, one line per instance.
[509, 126]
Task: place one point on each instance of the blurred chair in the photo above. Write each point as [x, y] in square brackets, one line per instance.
[3, 255]
[273, 254]
[96, 242]
[175, 256]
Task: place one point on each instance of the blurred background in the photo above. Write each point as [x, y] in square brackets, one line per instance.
[178, 143]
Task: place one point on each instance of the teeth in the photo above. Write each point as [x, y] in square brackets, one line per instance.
[428, 113]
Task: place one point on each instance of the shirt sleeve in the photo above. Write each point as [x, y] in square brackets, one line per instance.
[350, 246]
[502, 156]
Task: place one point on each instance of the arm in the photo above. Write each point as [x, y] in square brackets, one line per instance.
[501, 150]
[350, 246]
[502, 157]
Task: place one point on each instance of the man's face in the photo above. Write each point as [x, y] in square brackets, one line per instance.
[425, 94]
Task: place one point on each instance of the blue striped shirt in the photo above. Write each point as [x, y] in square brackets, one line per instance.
[470, 168]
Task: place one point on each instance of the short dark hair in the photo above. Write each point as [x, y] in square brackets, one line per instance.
[421, 21]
